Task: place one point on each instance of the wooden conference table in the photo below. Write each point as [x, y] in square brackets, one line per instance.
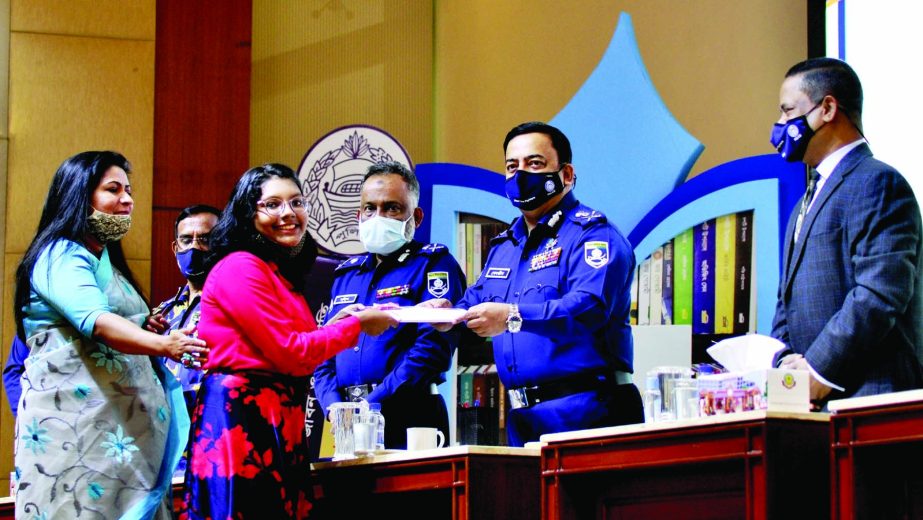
[753, 465]
[458, 483]
[876, 452]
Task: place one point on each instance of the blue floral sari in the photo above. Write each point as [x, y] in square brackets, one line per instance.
[99, 431]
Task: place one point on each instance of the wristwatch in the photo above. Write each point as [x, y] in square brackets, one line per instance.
[514, 320]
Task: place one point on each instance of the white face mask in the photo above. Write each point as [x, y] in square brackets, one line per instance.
[384, 236]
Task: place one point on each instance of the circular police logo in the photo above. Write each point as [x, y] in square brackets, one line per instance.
[331, 177]
[549, 186]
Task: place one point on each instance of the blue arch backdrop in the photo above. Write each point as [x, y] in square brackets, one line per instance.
[642, 191]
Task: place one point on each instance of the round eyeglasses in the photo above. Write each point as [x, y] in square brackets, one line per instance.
[276, 207]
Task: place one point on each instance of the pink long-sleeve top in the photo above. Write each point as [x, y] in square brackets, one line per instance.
[253, 319]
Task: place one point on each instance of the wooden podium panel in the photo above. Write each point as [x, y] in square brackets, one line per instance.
[459, 483]
[753, 465]
[876, 455]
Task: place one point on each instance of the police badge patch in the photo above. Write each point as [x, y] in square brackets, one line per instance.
[596, 253]
[437, 283]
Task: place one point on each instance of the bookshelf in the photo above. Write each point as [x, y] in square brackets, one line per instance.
[703, 278]
[479, 409]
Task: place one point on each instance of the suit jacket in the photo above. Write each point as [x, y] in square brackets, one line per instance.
[851, 291]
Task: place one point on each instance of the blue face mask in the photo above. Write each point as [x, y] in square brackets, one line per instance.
[192, 264]
[529, 190]
[791, 137]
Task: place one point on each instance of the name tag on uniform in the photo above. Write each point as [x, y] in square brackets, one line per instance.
[345, 298]
[498, 272]
[545, 259]
[388, 292]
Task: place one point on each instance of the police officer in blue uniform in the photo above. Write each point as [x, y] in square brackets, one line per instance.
[555, 297]
[400, 368]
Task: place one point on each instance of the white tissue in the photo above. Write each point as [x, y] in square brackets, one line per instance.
[745, 353]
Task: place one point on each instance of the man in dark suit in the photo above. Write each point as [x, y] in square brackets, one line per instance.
[851, 290]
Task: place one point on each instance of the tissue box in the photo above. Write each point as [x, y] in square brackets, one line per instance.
[773, 389]
[783, 389]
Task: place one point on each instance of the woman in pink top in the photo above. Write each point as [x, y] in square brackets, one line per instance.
[248, 456]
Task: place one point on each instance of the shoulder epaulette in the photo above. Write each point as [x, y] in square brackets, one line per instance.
[349, 263]
[433, 250]
[587, 217]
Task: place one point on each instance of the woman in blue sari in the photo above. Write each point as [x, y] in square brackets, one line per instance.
[101, 425]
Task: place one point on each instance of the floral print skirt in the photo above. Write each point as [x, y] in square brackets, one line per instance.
[247, 448]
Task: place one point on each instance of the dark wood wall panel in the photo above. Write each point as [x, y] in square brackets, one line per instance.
[201, 116]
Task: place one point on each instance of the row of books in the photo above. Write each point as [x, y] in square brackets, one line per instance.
[482, 404]
[702, 277]
[473, 242]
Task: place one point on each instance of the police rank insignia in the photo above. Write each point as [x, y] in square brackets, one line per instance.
[544, 259]
[437, 283]
[388, 292]
[596, 253]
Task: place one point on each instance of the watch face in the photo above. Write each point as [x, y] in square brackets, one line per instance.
[514, 324]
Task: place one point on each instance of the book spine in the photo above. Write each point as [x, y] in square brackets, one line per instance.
[682, 284]
[743, 275]
[465, 387]
[479, 387]
[703, 274]
[644, 292]
[477, 251]
[633, 310]
[667, 291]
[461, 243]
[656, 304]
[725, 244]
[469, 257]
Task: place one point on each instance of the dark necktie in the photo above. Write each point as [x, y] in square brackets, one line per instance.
[806, 201]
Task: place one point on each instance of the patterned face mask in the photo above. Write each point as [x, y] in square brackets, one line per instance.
[108, 228]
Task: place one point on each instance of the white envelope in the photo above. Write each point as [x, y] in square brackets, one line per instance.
[426, 315]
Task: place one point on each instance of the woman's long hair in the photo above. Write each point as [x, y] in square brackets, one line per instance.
[67, 207]
[235, 230]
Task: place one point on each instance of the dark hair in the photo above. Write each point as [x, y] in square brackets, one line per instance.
[235, 230]
[64, 216]
[396, 168]
[195, 209]
[558, 140]
[831, 77]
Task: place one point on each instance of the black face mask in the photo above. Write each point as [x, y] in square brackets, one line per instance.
[192, 264]
[529, 190]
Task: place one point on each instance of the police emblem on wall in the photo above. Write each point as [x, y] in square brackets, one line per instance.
[331, 177]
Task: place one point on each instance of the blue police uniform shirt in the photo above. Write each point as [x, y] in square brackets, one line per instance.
[182, 311]
[410, 354]
[571, 278]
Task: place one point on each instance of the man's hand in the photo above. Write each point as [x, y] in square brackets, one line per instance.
[789, 361]
[819, 391]
[439, 303]
[156, 323]
[488, 319]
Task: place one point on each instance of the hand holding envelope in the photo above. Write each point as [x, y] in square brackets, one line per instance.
[443, 309]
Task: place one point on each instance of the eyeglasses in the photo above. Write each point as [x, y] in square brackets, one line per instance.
[276, 207]
[187, 240]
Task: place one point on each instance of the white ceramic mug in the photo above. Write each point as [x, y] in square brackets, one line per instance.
[424, 438]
